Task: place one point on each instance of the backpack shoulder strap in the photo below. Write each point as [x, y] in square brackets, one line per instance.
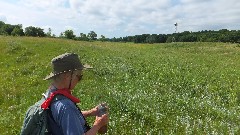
[64, 92]
[49, 111]
[59, 97]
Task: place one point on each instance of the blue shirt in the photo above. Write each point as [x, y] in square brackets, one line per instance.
[66, 119]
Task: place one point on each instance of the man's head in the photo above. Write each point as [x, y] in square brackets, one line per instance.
[67, 68]
[68, 79]
[65, 63]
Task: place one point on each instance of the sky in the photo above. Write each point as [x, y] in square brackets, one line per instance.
[120, 18]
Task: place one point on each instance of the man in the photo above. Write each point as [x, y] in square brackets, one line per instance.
[66, 118]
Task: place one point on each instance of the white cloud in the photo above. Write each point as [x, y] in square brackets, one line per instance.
[44, 4]
[123, 17]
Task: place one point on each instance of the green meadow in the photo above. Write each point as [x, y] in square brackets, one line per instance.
[151, 89]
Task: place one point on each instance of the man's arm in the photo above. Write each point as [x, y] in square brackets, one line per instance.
[66, 117]
[92, 112]
[93, 130]
[99, 122]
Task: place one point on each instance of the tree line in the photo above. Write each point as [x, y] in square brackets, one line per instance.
[17, 30]
[222, 35]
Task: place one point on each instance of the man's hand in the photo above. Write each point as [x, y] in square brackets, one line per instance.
[101, 121]
[98, 124]
[92, 112]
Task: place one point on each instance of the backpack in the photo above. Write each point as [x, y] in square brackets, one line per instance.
[35, 121]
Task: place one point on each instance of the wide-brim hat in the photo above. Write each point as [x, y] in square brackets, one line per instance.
[65, 63]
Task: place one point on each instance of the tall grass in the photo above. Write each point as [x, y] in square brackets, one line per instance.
[175, 88]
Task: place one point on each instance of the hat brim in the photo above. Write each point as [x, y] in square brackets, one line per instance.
[51, 75]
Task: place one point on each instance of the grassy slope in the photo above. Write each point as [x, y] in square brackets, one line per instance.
[183, 88]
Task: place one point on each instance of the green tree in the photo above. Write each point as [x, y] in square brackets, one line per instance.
[188, 38]
[92, 35]
[161, 38]
[34, 31]
[69, 34]
[1, 25]
[40, 32]
[151, 39]
[103, 38]
[17, 31]
[170, 39]
[7, 29]
[30, 31]
[49, 33]
[83, 37]
[61, 35]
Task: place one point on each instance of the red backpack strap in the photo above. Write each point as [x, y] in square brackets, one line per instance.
[64, 92]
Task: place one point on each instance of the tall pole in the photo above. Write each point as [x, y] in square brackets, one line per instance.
[175, 27]
[173, 38]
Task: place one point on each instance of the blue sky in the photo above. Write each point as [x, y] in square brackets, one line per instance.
[118, 18]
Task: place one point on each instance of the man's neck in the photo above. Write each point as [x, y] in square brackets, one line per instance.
[59, 85]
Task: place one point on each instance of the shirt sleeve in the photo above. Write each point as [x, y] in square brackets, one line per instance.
[68, 118]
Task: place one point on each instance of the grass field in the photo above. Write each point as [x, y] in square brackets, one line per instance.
[175, 88]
